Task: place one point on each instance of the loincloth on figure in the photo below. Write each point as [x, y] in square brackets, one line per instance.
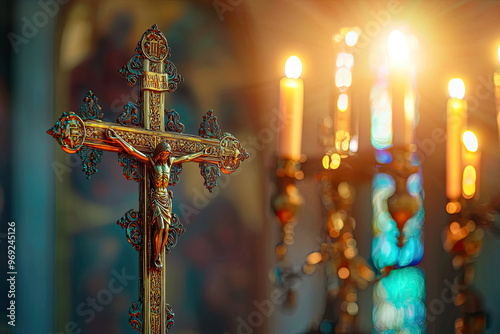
[161, 208]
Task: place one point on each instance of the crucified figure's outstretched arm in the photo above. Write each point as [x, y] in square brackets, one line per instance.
[127, 147]
[189, 157]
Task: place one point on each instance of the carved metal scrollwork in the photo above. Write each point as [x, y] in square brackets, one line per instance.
[132, 115]
[133, 70]
[131, 167]
[131, 223]
[136, 316]
[173, 123]
[170, 316]
[91, 158]
[174, 79]
[90, 108]
[211, 174]
[209, 127]
[174, 231]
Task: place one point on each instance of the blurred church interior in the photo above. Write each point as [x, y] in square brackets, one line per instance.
[231, 53]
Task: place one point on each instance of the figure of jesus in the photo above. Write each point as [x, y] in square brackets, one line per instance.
[159, 164]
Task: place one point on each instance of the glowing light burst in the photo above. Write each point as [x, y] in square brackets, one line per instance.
[470, 141]
[351, 38]
[456, 88]
[397, 46]
[343, 102]
[293, 67]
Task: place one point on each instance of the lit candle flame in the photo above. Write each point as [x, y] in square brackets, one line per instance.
[397, 46]
[456, 88]
[351, 38]
[293, 67]
[343, 102]
[470, 141]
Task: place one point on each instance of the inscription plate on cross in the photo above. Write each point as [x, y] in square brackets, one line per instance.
[151, 149]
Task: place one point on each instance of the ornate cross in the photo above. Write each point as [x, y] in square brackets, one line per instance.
[151, 147]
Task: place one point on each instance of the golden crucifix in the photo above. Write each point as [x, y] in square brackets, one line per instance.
[151, 148]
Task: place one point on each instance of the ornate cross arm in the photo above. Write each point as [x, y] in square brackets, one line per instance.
[71, 132]
[74, 132]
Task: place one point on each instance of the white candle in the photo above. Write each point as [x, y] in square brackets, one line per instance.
[456, 123]
[291, 111]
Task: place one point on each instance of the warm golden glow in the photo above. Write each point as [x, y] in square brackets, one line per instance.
[308, 269]
[470, 141]
[453, 207]
[346, 236]
[352, 308]
[469, 182]
[499, 53]
[343, 78]
[351, 38]
[471, 226]
[351, 296]
[343, 273]
[293, 67]
[456, 111]
[397, 46]
[353, 144]
[345, 145]
[409, 103]
[409, 108]
[342, 139]
[343, 102]
[456, 88]
[281, 250]
[314, 258]
[335, 161]
[350, 253]
[326, 161]
[345, 59]
[334, 233]
[455, 227]
[338, 223]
